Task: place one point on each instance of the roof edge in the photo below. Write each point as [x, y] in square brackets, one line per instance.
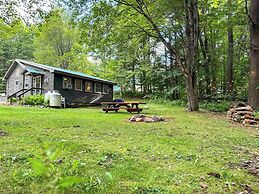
[32, 63]
[93, 79]
[21, 62]
[6, 75]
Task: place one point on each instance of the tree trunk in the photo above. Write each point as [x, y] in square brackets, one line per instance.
[207, 63]
[213, 70]
[133, 78]
[191, 10]
[188, 66]
[253, 93]
[191, 89]
[229, 81]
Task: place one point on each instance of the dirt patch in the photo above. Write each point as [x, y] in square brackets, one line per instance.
[252, 166]
[3, 133]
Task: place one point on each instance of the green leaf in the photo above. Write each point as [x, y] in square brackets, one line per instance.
[75, 164]
[69, 181]
[54, 155]
[38, 167]
[108, 174]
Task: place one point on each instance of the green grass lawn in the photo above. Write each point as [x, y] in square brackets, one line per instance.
[112, 155]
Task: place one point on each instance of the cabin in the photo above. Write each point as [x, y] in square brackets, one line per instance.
[25, 78]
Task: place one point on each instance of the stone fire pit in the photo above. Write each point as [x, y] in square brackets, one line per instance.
[147, 119]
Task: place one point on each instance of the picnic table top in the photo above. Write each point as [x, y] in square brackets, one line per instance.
[122, 103]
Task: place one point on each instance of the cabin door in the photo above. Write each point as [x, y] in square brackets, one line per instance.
[36, 83]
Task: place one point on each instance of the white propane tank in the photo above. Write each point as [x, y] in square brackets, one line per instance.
[55, 99]
[47, 97]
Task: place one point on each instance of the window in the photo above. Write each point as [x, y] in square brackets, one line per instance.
[67, 82]
[105, 89]
[97, 88]
[78, 84]
[26, 83]
[17, 84]
[88, 86]
[36, 84]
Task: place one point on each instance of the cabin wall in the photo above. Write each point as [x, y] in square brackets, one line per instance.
[47, 81]
[15, 75]
[73, 96]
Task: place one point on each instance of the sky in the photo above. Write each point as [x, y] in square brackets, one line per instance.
[28, 10]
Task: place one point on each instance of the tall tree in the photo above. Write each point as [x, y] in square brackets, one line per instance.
[15, 42]
[230, 52]
[171, 31]
[58, 43]
[192, 25]
[253, 96]
[55, 40]
[189, 63]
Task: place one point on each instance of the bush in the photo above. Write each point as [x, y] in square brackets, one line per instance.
[157, 100]
[220, 106]
[34, 100]
[132, 94]
[13, 100]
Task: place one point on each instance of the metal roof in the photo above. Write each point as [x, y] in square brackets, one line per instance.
[33, 70]
[62, 71]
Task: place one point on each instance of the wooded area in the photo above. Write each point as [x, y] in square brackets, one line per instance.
[65, 127]
[195, 50]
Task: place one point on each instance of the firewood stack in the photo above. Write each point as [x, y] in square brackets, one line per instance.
[244, 114]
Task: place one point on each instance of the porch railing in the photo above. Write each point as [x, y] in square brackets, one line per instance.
[22, 92]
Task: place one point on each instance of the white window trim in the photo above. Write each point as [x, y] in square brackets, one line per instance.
[70, 83]
[105, 85]
[95, 88]
[81, 85]
[91, 86]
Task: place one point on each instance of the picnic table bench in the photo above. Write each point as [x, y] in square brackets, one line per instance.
[116, 106]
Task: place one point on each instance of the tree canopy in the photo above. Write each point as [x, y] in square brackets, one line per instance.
[192, 50]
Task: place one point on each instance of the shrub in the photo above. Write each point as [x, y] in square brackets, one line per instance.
[52, 173]
[34, 100]
[132, 94]
[160, 100]
[12, 100]
[219, 106]
[168, 102]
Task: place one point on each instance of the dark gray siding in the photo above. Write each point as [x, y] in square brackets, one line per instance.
[73, 96]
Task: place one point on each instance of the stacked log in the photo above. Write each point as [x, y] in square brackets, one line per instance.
[244, 114]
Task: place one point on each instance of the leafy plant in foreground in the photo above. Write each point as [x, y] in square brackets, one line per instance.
[47, 167]
[53, 175]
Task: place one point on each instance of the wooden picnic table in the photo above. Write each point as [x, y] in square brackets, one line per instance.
[129, 106]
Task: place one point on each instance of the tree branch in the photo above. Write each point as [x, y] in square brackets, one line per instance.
[139, 8]
[142, 28]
